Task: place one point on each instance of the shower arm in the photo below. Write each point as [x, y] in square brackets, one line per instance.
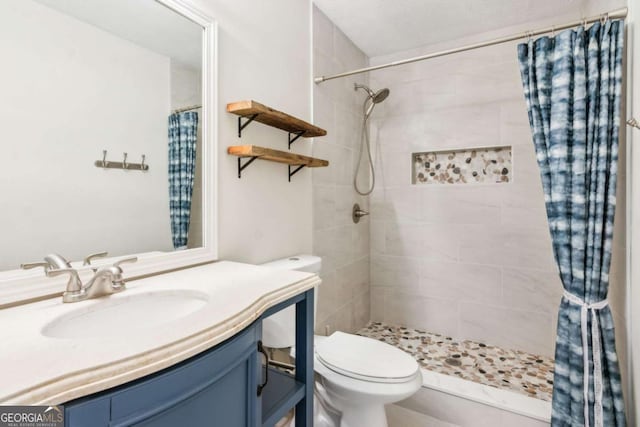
[357, 86]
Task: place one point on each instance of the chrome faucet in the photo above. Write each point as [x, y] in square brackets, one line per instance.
[105, 281]
[55, 262]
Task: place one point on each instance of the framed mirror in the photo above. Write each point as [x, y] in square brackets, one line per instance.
[108, 108]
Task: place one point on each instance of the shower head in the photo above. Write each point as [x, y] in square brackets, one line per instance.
[380, 95]
[374, 97]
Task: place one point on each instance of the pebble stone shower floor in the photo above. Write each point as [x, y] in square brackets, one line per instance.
[525, 373]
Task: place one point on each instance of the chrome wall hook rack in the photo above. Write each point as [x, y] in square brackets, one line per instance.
[106, 164]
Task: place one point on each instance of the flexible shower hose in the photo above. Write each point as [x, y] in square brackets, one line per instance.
[364, 140]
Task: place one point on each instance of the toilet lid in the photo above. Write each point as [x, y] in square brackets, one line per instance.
[365, 358]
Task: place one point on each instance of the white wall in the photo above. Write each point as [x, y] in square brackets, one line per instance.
[264, 54]
[66, 95]
[344, 246]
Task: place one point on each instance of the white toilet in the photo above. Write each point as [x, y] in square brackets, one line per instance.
[355, 376]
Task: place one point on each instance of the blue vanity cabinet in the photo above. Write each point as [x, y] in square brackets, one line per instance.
[219, 387]
[215, 388]
[283, 391]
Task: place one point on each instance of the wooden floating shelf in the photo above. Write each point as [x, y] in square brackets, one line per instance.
[254, 152]
[252, 110]
[276, 156]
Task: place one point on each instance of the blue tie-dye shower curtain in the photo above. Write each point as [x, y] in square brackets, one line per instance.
[572, 85]
[183, 136]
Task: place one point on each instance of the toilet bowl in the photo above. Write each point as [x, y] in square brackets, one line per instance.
[359, 375]
[355, 376]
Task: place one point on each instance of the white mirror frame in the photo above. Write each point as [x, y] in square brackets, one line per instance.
[22, 286]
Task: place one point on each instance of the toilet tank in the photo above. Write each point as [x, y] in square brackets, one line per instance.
[279, 330]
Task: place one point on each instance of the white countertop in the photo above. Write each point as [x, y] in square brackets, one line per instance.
[36, 369]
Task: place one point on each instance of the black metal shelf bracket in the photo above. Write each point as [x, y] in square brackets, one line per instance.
[297, 135]
[294, 171]
[245, 124]
[241, 167]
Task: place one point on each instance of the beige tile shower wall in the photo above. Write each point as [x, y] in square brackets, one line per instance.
[344, 297]
[471, 260]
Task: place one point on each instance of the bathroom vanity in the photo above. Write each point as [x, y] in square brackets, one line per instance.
[200, 365]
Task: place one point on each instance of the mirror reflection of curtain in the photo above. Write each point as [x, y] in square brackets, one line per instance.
[183, 136]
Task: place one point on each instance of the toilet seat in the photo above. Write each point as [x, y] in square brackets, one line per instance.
[365, 359]
[361, 391]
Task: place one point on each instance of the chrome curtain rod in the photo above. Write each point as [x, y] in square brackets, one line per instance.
[189, 108]
[616, 14]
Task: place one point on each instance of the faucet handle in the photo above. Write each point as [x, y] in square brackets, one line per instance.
[118, 282]
[125, 261]
[30, 265]
[74, 285]
[57, 261]
[88, 258]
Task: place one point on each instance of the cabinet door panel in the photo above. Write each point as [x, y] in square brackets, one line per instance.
[163, 391]
[223, 404]
[94, 413]
[214, 388]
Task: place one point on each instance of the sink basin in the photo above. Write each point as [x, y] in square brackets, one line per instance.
[116, 316]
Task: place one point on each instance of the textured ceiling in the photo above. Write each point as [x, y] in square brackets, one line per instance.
[380, 27]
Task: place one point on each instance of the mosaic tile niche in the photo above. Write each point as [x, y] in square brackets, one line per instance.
[467, 166]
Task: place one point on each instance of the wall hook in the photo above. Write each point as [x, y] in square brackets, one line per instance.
[124, 164]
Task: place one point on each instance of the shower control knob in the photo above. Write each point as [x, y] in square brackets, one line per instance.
[357, 213]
